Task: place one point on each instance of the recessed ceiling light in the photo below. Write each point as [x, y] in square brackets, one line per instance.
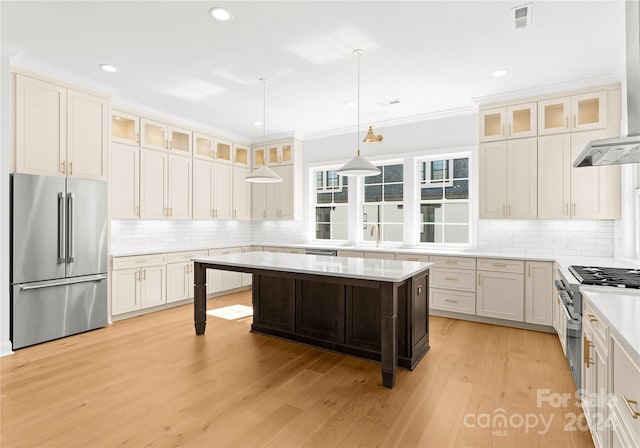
[108, 68]
[220, 14]
[499, 73]
[257, 123]
[351, 103]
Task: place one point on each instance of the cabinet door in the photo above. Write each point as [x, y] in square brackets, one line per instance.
[203, 147]
[202, 189]
[153, 289]
[231, 279]
[589, 111]
[154, 135]
[153, 184]
[522, 178]
[522, 120]
[41, 127]
[241, 194]
[538, 294]
[553, 116]
[214, 276]
[286, 154]
[177, 281]
[223, 151]
[125, 128]
[585, 182]
[500, 295]
[273, 200]
[190, 281]
[273, 155]
[595, 387]
[180, 141]
[258, 201]
[87, 137]
[222, 191]
[241, 155]
[125, 290]
[286, 191]
[180, 187]
[493, 124]
[493, 180]
[259, 157]
[124, 181]
[554, 176]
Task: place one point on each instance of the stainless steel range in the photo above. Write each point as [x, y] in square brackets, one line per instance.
[568, 287]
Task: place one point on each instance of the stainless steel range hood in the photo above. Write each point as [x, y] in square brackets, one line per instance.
[619, 150]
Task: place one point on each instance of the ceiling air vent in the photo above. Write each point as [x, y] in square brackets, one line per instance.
[522, 16]
[388, 102]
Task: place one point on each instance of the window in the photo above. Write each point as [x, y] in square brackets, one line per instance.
[331, 198]
[383, 204]
[444, 201]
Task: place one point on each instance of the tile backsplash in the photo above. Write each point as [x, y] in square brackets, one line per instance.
[586, 238]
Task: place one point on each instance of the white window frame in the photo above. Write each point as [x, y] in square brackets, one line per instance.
[313, 196]
[448, 182]
[325, 182]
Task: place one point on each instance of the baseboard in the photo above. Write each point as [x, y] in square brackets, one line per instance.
[6, 348]
[492, 321]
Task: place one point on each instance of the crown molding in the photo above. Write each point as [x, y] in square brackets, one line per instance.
[272, 138]
[550, 89]
[447, 113]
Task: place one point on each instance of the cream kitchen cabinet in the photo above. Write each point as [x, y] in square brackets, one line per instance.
[516, 121]
[582, 112]
[218, 280]
[180, 275]
[259, 156]
[241, 194]
[203, 146]
[211, 190]
[566, 192]
[380, 255]
[224, 150]
[500, 289]
[412, 257]
[508, 179]
[279, 196]
[138, 282]
[624, 395]
[124, 181]
[350, 253]
[241, 155]
[280, 154]
[125, 128]
[60, 131]
[538, 293]
[164, 137]
[258, 201]
[165, 185]
[452, 285]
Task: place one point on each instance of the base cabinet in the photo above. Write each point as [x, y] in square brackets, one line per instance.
[500, 289]
[538, 293]
[138, 282]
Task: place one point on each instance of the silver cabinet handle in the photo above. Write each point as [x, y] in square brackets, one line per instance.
[61, 229]
[71, 281]
[70, 197]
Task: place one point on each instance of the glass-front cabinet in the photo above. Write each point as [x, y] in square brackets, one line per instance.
[572, 113]
[502, 123]
[275, 154]
[223, 151]
[241, 155]
[179, 141]
[161, 136]
[125, 128]
[203, 146]
[259, 157]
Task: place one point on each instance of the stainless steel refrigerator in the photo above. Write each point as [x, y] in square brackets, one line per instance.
[58, 257]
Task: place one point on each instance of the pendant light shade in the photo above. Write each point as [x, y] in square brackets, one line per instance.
[264, 174]
[359, 166]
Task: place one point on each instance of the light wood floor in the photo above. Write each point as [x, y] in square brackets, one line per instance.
[149, 381]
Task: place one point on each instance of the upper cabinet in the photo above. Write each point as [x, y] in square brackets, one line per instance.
[502, 123]
[161, 136]
[224, 151]
[60, 131]
[274, 154]
[241, 155]
[582, 112]
[125, 128]
[203, 146]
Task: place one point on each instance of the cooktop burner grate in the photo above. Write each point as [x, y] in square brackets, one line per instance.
[619, 277]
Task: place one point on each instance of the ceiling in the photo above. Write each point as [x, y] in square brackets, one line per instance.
[175, 59]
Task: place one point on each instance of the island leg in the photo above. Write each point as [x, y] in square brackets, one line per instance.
[200, 297]
[389, 333]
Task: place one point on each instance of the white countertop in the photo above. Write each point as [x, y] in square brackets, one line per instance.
[620, 308]
[359, 268]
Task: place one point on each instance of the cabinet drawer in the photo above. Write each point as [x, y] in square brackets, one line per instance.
[292, 250]
[178, 257]
[138, 261]
[225, 251]
[453, 262]
[625, 387]
[456, 301]
[495, 264]
[380, 255]
[350, 253]
[410, 257]
[457, 279]
[592, 320]
[271, 249]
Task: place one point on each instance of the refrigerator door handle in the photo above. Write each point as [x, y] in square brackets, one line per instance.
[61, 229]
[70, 281]
[70, 197]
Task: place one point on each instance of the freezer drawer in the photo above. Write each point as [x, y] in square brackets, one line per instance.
[43, 311]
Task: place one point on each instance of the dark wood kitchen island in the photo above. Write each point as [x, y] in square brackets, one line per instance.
[373, 309]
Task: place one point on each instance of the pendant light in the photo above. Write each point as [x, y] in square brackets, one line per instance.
[359, 166]
[264, 174]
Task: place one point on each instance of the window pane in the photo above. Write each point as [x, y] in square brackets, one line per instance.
[391, 232]
[324, 198]
[431, 233]
[319, 179]
[431, 213]
[439, 170]
[431, 194]
[393, 192]
[341, 197]
[374, 179]
[459, 190]
[323, 231]
[392, 213]
[332, 179]
[456, 234]
[393, 173]
[460, 168]
[371, 214]
[457, 212]
[372, 193]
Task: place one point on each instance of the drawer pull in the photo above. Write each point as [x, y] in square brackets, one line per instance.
[628, 403]
[141, 261]
[451, 261]
[499, 265]
[450, 301]
[591, 317]
[451, 279]
[586, 345]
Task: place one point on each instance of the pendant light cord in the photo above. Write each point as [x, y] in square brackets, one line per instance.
[357, 52]
[264, 112]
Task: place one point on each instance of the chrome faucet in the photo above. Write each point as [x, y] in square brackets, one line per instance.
[376, 229]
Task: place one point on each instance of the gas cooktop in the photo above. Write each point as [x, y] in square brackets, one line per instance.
[619, 277]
